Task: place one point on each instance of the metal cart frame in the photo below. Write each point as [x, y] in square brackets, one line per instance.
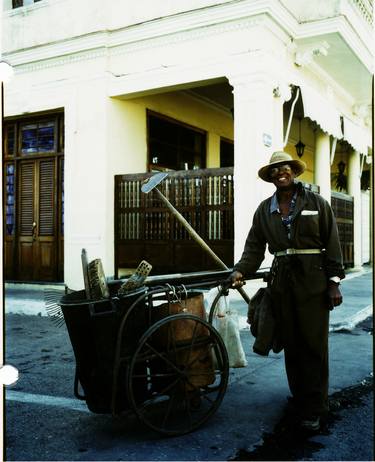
[133, 352]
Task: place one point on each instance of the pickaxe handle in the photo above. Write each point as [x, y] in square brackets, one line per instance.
[197, 237]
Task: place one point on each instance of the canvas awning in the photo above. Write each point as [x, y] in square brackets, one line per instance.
[357, 136]
[321, 110]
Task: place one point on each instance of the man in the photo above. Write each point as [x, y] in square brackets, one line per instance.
[300, 230]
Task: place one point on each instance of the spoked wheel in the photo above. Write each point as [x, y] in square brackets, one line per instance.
[183, 363]
[218, 300]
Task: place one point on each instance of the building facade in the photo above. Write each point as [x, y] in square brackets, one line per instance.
[121, 88]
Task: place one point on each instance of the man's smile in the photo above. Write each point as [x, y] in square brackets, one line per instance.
[283, 179]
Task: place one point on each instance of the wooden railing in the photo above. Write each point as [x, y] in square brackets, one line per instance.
[145, 229]
[343, 208]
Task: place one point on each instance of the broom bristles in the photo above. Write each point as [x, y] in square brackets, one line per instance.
[52, 299]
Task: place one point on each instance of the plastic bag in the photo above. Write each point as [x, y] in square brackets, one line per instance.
[226, 323]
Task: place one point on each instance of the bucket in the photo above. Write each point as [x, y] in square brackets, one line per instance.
[93, 327]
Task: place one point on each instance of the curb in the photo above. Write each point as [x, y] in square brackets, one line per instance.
[36, 286]
[356, 274]
[352, 321]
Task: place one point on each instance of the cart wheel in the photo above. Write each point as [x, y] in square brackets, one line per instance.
[186, 370]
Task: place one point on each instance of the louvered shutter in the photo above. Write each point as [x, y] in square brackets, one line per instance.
[46, 197]
[26, 202]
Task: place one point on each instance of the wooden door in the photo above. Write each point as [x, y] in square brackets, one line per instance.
[33, 197]
[37, 207]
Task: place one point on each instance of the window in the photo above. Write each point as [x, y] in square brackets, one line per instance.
[9, 199]
[19, 3]
[226, 153]
[33, 136]
[173, 145]
[38, 137]
[10, 139]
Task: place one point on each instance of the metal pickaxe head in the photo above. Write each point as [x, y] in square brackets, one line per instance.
[153, 181]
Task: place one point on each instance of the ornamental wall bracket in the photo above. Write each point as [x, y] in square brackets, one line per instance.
[306, 54]
[282, 91]
[362, 111]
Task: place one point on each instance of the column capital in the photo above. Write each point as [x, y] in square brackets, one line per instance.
[262, 72]
[249, 80]
[259, 84]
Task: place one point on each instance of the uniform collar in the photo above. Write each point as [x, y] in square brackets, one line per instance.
[274, 205]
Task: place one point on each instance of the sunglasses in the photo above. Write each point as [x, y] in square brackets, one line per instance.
[285, 168]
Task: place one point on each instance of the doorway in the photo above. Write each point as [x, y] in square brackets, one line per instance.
[33, 195]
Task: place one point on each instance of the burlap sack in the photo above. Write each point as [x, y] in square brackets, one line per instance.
[197, 360]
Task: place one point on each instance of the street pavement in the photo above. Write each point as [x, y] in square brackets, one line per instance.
[254, 403]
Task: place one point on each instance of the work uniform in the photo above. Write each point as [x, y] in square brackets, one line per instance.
[299, 284]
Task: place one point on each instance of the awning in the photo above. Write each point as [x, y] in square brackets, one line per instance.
[357, 136]
[321, 111]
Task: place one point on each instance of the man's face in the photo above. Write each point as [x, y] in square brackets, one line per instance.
[282, 176]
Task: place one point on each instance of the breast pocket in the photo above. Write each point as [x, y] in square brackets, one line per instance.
[309, 225]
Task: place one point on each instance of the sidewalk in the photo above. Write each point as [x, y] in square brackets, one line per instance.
[358, 301]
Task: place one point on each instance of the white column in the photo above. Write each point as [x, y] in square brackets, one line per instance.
[86, 200]
[354, 189]
[257, 133]
[322, 164]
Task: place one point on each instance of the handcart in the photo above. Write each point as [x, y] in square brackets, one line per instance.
[153, 351]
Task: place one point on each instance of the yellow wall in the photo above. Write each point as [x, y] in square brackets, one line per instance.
[131, 125]
[127, 137]
[308, 138]
[341, 154]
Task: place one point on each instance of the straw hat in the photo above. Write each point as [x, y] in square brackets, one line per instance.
[279, 158]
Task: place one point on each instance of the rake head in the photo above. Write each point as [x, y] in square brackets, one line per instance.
[52, 299]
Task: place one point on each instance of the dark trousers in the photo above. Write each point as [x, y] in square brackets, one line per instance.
[304, 324]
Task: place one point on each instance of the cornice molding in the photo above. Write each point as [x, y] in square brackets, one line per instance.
[98, 45]
[190, 25]
[187, 35]
[82, 47]
[183, 27]
[61, 61]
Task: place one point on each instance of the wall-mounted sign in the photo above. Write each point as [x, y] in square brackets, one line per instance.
[267, 139]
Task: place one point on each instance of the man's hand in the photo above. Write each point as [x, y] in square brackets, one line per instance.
[236, 279]
[334, 295]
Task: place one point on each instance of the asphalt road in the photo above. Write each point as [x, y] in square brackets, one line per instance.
[45, 422]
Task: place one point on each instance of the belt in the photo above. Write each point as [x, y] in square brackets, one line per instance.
[285, 252]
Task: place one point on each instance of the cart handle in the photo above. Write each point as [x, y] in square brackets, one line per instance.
[226, 284]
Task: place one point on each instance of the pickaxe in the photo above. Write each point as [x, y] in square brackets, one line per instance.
[151, 185]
